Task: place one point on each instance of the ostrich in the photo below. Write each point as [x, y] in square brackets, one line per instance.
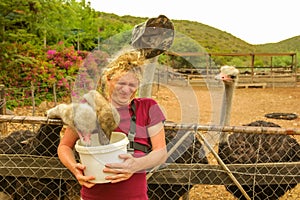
[260, 148]
[102, 117]
[244, 148]
[42, 143]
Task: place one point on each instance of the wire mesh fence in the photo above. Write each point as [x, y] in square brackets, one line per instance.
[255, 162]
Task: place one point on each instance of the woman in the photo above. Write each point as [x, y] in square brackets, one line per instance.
[119, 84]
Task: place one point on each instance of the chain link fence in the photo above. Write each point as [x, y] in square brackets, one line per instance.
[255, 162]
[30, 168]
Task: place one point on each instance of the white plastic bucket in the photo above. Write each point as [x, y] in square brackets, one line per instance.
[95, 157]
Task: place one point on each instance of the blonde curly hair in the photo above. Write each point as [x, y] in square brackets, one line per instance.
[126, 62]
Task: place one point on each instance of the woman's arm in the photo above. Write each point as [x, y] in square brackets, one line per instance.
[131, 165]
[66, 156]
[158, 155]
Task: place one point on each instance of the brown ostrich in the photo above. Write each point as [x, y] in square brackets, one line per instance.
[242, 148]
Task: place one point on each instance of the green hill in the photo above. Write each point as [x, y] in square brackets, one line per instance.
[288, 45]
[214, 40]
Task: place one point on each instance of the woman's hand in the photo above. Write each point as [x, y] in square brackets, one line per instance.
[83, 180]
[121, 171]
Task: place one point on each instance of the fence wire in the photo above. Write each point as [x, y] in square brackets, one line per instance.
[263, 158]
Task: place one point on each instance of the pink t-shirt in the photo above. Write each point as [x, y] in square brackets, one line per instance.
[148, 113]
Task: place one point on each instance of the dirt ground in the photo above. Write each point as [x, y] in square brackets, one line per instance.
[249, 105]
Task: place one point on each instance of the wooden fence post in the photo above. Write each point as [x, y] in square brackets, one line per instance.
[54, 93]
[32, 98]
[3, 126]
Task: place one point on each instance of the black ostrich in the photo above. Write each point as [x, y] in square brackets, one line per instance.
[260, 148]
[244, 148]
[190, 151]
[42, 143]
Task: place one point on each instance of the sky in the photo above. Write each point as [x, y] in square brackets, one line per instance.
[254, 21]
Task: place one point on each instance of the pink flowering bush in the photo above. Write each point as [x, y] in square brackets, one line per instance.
[89, 72]
[23, 66]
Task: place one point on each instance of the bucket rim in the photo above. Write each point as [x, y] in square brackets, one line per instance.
[103, 148]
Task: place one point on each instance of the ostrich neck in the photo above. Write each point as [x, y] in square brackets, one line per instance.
[226, 108]
[226, 104]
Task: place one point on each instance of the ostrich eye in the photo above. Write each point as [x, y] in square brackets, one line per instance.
[232, 76]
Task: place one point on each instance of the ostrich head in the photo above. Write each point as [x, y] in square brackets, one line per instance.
[228, 74]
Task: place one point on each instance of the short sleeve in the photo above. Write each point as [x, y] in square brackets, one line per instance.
[149, 110]
[155, 115]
